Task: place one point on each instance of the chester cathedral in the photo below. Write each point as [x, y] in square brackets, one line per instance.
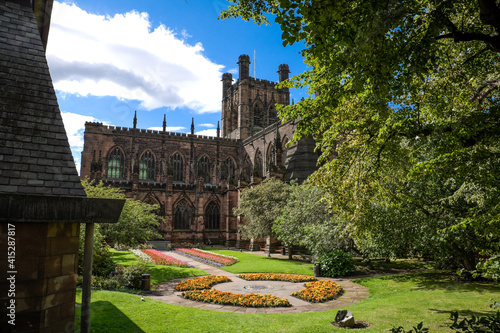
[197, 180]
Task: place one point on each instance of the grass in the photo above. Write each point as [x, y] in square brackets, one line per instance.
[252, 263]
[397, 300]
[394, 300]
[158, 273]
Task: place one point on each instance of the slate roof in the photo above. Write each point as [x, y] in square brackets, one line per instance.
[35, 157]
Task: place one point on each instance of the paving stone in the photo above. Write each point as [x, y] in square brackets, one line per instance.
[353, 293]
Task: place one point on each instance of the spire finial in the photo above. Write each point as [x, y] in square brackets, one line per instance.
[135, 119]
[277, 138]
[218, 130]
[192, 126]
[164, 123]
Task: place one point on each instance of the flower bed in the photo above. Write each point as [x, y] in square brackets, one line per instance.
[207, 257]
[277, 277]
[205, 282]
[227, 298]
[142, 256]
[162, 259]
[319, 291]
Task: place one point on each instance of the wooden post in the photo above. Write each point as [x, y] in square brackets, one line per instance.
[87, 277]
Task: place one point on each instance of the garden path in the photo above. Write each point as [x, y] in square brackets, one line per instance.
[165, 292]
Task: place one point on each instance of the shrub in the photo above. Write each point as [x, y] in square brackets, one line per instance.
[132, 276]
[336, 264]
[418, 329]
[102, 262]
[490, 268]
[488, 323]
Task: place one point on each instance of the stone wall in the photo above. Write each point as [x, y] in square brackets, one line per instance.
[45, 269]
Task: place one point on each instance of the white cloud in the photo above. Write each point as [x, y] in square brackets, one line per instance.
[74, 124]
[169, 128]
[207, 132]
[207, 125]
[123, 56]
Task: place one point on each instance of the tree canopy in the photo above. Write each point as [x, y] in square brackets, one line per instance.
[306, 221]
[138, 221]
[405, 96]
[260, 206]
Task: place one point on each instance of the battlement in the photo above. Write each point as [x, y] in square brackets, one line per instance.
[97, 127]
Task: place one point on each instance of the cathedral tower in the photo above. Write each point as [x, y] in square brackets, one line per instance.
[249, 105]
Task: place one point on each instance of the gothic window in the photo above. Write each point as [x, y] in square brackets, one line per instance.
[273, 116]
[147, 166]
[248, 168]
[204, 169]
[212, 216]
[257, 115]
[178, 167]
[183, 216]
[258, 164]
[115, 164]
[271, 161]
[230, 169]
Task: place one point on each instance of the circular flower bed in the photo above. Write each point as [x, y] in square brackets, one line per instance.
[205, 282]
[277, 277]
[319, 291]
[227, 298]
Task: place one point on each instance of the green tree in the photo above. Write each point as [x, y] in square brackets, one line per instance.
[260, 205]
[307, 221]
[406, 98]
[138, 221]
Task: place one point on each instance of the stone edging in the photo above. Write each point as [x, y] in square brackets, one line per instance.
[353, 293]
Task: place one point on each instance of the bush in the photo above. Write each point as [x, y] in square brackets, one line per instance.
[132, 276]
[490, 268]
[102, 262]
[488, 323]
[336, 264]
[120, 279]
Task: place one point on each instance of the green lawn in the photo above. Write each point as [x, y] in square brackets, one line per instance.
[158, 273]
[394, 300]
[397, 300]
[253, 263]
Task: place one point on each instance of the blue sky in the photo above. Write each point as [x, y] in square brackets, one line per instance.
[110, 58]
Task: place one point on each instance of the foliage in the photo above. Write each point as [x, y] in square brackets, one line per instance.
[307, 221]
[102, 263]
[260, 206]
[418, 329]
[228, 298]
[489, 323]
[138, 221]
[132, 276]
[319, 291]
[122, 278]
[336, 263]
[490, 268]
[407, 100]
